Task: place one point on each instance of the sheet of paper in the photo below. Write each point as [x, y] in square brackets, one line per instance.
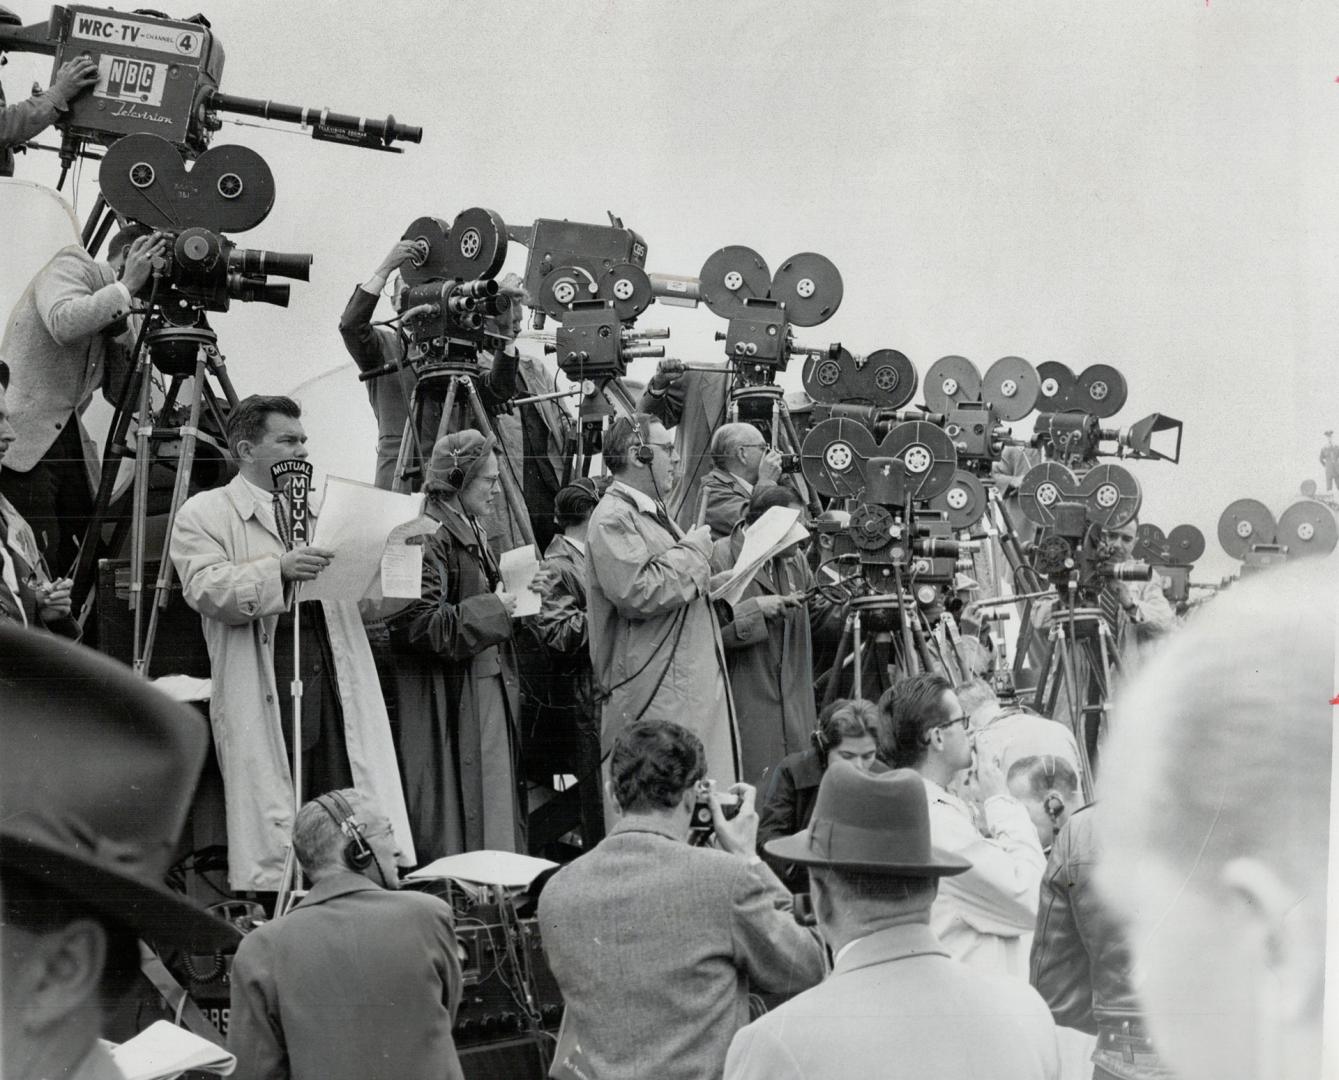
[778, 528]
[504, 868]
[164, 1050]
[355, 522]
[518, 568]
[402, 561]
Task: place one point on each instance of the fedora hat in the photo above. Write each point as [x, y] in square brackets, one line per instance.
[878, 823]
[97, 772]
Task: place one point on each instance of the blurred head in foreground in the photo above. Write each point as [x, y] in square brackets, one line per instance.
[1215, 804]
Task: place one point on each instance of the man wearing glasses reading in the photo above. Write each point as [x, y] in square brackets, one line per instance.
[986, 915]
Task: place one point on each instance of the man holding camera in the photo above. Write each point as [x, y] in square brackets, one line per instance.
[743, 464]
[654, 942]
[67, 336]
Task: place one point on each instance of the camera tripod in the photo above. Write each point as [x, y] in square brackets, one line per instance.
[883, 641]
[605, 401]
[189, 354]
[1080, 658]
[454, 380]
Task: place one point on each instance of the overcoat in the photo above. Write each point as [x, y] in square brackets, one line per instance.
[228, 559]
[694, 405]
[770, 661]
[654, 640]
[447, 645]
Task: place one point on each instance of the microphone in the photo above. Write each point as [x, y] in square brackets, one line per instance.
[295, 477]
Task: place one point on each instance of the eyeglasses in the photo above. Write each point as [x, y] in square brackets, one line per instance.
[963, 720]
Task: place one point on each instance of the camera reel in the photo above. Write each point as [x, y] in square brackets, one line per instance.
[914, 462]
[1051, 496]
[1173, 555]
[1100, 390]
[972, 406]
[1248, 531]
[885, 378]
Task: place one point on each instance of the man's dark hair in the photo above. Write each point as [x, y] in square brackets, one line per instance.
[30, 904]
[125, 238]
[768, 497]
[653, 763]
[909, 710]
[624, 437]
[1044, 773]
[4, 375]
[246, 422]
[574, 503]
[848, 718]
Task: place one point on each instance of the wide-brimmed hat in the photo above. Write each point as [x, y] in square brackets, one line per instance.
[875, 823]
[97, 772]
[457, 457]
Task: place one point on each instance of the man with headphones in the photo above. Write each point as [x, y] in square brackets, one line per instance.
[359, 980]
[655, 639]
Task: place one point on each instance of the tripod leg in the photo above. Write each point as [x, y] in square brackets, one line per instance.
[833, 690]
[786, 425]
[180, 488]
[511, 487]
[140, 513]
[857, 656]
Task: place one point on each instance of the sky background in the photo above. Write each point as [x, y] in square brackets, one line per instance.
[1143, 184]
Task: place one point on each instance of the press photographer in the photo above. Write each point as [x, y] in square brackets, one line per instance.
[67, 337]
[654, 942]
[743, 464]
[230, 549]
[26, 119]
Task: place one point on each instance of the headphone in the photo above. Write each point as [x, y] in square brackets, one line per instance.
[356, 852]
[821, 746]
[645, 452]
[1053, 804]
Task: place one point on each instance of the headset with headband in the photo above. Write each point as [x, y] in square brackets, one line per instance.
[645, 452]
[356, 852]
[1053, 804]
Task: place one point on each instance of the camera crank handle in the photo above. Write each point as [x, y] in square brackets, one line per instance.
[389, 368]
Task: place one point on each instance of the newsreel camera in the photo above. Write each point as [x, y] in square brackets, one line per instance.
[1173, 555]
[230, 188]
[1248, 531]
[1068, 428]
[163, 75]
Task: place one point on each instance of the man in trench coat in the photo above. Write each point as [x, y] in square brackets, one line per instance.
[236, 572]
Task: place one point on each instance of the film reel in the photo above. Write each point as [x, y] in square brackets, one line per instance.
[1185, 544]
[1111, 495]
[951, 379]
[730, 276]
[1308, 528]
[226, 189]
[810, 286]
[1043, 488]
[1057, 386]
[628, 286]
[428, 263]
[831, 379]
[834, 456]
[1011, 387]
[963, 503]
[928, 456]
[1101, 390]
[476, 245]
[891, 377]
[562, 287]
[1244, 523]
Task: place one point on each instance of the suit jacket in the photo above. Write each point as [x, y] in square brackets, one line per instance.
[355, 982]
[655, 944]
[896, 1006]
[792, 790]
[57, 350]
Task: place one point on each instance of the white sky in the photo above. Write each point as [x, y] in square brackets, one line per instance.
[1146, 184]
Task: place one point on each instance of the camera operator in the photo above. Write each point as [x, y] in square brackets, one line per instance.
[653, 941]
[28, 596]
[571, 710]
[1006, 733]
[1048, 788]
[24, 120]
[67, 336]
[768, 651]
[96, 780]
[374, 347]
[654, 639]
[695, 403]
[456, 668]
[237, 572]
[895, 1003]
[359, 980]
[743, 464]
[983, 916]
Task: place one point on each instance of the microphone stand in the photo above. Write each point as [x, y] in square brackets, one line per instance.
[293, 532]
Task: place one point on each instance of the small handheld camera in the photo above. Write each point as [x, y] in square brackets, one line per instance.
[701, 829]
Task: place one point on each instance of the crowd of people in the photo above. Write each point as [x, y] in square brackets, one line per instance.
[968, 910]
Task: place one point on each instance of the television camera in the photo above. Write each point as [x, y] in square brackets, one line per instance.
[162, 75]
[1248, 531]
